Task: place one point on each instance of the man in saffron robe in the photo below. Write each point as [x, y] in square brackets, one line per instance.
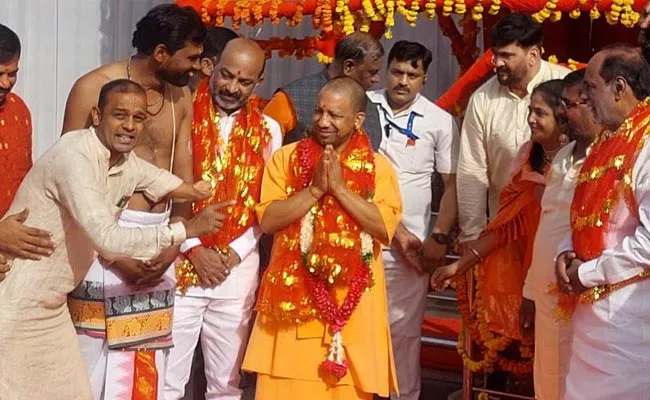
[332, 203]
[231, 141]
[15, 159]
[608, 257]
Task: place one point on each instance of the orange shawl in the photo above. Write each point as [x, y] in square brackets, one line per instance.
[234, 169]
[500, 278]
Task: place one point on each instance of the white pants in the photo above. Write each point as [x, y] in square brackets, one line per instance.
[111, 371]
[407, 296]
[552, 349]
[610, 356]
[223, 325]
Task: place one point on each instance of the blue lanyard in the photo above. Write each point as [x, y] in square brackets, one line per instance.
[409, 125]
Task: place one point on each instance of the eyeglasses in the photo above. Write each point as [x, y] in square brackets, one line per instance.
[568, 104]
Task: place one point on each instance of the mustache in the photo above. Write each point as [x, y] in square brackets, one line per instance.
[228, 95]
[503, 69]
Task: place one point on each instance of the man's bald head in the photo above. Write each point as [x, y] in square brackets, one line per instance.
[245, 50]
[340, 110]
[351, 89]
[237, 73]
[616, 79]
[360, 57]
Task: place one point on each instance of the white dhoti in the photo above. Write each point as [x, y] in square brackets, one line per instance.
[221, 318]
[552, 349]
[121, 359]
[407, 296]
[611, 347]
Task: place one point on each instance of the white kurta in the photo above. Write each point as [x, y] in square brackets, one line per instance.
[494, 127]
[414, 164]
[221, 314]
[552, 337]
[71, 192]
[610, 356]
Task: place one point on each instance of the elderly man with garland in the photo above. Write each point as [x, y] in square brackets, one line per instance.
[606, 263]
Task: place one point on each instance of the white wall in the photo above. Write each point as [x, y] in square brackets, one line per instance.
[63, 39]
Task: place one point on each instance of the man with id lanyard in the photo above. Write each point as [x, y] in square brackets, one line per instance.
[418, 139]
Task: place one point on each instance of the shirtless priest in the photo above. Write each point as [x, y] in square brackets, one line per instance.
[168, 42]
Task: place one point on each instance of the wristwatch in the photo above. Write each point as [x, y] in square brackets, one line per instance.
[440, 238]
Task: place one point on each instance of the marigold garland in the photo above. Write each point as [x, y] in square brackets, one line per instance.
[234, 170]
[390, 19]
[477, 12]
[430, 9]
[605, 180]
[273, 12]
[323, 253]
[625, 12]
[491, 344]
[359, 14]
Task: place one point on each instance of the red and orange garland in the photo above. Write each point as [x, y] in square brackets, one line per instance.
[490, 343]
[234, 170]
[605, 179]
[323, 255]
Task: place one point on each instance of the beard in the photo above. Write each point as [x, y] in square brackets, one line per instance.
[229, 101]
[176, 79]
[511, 77]
[506, 77]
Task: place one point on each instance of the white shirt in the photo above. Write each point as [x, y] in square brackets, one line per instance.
[415, 162]
[627, 239]
[245, 274]
[554, 222]
[494, 127]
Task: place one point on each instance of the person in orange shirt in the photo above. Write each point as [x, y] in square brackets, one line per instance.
[16, 239]
[359, 56]
[322, 328]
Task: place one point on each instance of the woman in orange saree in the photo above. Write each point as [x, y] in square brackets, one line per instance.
[502, 254]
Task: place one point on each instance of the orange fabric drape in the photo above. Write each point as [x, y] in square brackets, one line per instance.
[145, 376]
[15, 148]
[504, 270]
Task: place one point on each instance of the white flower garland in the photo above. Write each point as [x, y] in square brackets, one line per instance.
[307, 237]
